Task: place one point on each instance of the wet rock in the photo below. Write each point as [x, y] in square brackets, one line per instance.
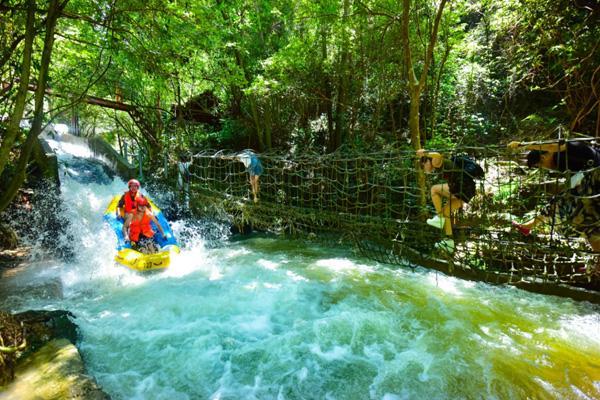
[243, 229]
[8, 238]
[48, 366]
[55, 371]
[48, 290]
[43, 326]
[12, 340]
[13, 257]
[46, 161]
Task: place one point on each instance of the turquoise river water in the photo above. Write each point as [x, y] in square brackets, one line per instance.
[266, 318]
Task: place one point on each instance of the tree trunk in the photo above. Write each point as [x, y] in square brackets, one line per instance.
[416, 86]
[393, 119]
[329, 112]
[413, 84]
[179, 128]
[13, 128]
[268, 117]
[341, 119]
[415, 138]
[120, 142]
[598, 122]
[413, 117]
[327, 102]
[436, 92]
[147, 131]
[8, 51]
[256, 118]
[54, 10]
[159, 121]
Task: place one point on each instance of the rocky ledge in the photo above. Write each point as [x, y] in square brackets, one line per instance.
[13, 258]
[39, 360]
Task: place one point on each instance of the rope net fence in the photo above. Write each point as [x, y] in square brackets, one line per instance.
[375, 202]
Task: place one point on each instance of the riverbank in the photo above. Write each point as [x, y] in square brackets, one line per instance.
[12, 260]
[55, 371]
[38, 354]
[40, 359]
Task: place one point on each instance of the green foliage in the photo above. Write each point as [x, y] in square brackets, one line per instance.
[294, 74]
[231, 135]
[440, 143]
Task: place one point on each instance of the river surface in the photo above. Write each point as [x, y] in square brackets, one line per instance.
[267, 318]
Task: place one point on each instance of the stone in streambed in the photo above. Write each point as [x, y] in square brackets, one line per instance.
[55, 371]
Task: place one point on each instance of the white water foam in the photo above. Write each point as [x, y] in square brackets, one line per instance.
[268, 318]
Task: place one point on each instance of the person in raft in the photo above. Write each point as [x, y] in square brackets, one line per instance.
[139, 231]
[578, 208]
[459, 189]
[127, 202]
[254, 168]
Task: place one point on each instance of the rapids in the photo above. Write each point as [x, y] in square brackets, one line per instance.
[268, 318]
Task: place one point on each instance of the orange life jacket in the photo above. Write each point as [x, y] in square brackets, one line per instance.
[140, 225]
[130, 204]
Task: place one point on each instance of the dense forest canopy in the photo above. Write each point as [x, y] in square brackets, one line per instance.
[295, 75]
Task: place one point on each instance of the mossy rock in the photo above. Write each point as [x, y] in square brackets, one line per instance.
[8, 238]
[29, 331]
[11, 338]
[55, 371]
[43, 326]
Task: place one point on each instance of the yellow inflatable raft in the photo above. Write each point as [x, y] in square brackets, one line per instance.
[134, 259]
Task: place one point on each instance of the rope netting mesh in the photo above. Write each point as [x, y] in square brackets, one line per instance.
[374, 201]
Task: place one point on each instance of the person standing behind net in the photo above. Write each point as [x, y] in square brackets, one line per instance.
[184, 176]
[459, 189]
[578, 208]
[254, 168]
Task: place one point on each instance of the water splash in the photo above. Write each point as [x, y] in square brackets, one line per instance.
[269, 318]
